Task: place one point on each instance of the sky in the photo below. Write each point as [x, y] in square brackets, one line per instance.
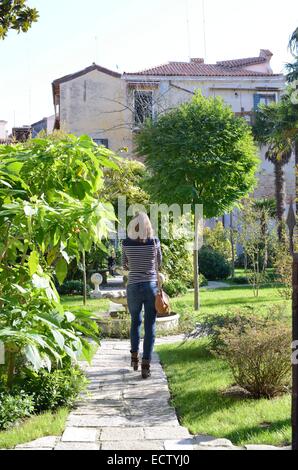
[130, 35]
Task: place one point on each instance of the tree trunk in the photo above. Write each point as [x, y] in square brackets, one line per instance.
[84, 278]
[232, 244]
[10, 368]
[280, 194]
[196, 269]
[264, 230]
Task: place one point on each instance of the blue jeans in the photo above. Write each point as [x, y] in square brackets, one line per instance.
[139, 294]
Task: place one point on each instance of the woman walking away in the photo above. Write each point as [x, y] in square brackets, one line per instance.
[141, 256]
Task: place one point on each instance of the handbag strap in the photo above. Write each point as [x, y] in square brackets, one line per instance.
[156, 265]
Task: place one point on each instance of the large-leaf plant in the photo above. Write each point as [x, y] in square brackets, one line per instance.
[49, 214]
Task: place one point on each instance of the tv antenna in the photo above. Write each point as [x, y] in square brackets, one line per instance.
[188, 29]
[204, 29]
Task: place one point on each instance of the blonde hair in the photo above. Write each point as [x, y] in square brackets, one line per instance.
[140, 227]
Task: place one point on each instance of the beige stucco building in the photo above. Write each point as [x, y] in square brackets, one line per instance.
[111, 107]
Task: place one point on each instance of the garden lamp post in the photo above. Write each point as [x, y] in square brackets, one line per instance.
[291, 222]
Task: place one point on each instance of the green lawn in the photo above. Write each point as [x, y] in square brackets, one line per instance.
[75, 302]
[220, 300]
[196, 380]
[212, 300]
[46, 424]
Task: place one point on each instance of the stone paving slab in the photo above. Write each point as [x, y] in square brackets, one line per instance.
[77, 446]
[137, 445]
[73, 434]
[180, 444]
[95, 421]
[47, 442]
[166, 433]
[122, 434]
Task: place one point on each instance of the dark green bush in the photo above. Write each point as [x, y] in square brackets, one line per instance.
[174, 288]
[241, 280]
[72, 288]
[14, 407]
[51, 390]
[213, 265]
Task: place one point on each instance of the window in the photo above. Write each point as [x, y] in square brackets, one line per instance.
[103, 142]
[262, 98]
[143, 104]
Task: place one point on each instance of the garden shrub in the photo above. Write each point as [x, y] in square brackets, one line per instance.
[213, 265]
[202, 280]
[73, 287]
[51, 390]
[174, 288]
[218, 238]
[258, 354]
[241, 280]
[212, 324]
[14, 407]
[177, 262]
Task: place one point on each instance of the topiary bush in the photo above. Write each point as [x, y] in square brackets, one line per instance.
[258, 354]
[51, 390]
[14, 407]
[213, 265]
[74, 287]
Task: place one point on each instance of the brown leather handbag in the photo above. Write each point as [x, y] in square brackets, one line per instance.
[162, 301]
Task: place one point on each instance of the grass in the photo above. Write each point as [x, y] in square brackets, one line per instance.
[220, 300]
[75, 303]
[45, 424]
[196, 380]
[212, 300]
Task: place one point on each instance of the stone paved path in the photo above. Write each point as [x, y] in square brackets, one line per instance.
[217, 285]
[123, 412]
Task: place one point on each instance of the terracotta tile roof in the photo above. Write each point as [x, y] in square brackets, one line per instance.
[199, 69]
[224, 68]
[92, 67]
[242, 62]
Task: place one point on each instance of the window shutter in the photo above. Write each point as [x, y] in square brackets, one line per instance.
[257, 99]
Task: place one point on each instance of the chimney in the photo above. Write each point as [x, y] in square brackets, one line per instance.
[196, 60]
[266, 54]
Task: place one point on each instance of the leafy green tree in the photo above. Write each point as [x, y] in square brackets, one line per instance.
[218, 239]
[252, 241]
[126, 180]
[267, 210]
[15, 14]
[49, 214]
[199, 153]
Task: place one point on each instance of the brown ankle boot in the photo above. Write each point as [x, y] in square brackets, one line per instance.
[135, 360]
[145, 369]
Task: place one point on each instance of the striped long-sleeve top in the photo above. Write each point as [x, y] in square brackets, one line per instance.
[140, 260]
